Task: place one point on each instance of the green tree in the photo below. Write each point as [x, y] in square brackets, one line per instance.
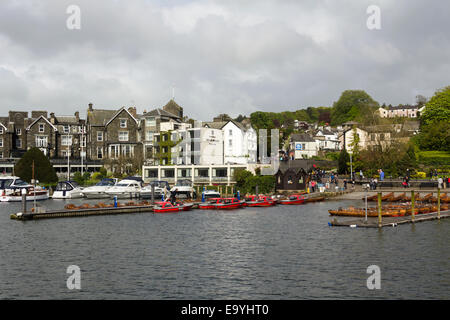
[344, 159]
[352, 105]
[43, 169]
[438, 108]
[435, 136]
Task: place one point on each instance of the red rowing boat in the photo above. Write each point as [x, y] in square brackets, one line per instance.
[168, 207]
[294, 199]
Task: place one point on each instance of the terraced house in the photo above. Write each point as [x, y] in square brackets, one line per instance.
[113, 135]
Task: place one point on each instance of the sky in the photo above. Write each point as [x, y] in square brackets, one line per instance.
[214, 57]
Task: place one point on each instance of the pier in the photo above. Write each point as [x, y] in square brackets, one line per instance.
[372, 222]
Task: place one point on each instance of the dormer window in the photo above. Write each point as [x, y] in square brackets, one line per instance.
[41, 127]
[18, 131]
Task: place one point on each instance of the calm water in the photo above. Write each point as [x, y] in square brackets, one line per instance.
[286, 252]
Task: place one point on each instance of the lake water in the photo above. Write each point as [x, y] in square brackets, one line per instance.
[284, 252]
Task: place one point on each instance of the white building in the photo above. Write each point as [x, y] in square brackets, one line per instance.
[197, 146]
[239, 142]
[327, 140]
[304, 146]
[400, 111]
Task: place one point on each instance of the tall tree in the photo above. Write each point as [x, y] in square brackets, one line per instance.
[351, 105]
[438, 108]
[43, 169]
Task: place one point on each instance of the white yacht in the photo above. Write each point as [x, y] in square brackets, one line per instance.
[125, 189]
[184, 187]
[99, 190]
[11, 190]
[146, 192]
[67, 190]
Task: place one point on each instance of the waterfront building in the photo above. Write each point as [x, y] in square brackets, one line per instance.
[326, 140]
[239, 141]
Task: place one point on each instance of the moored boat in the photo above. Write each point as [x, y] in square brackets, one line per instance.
[210, 204]
[168, 207]
[99, 190]
[294, 199]
[228, 204]
[67, 190]
[31, 195]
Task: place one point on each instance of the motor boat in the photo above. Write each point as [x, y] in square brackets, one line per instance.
[67, 190]
[32, 194]
[99, 190]
[168, 207]
[11, 190]
[146, 192]
[184, 187]
[259, 201]
[210, 194]
[228, 203]
[210, 203]
[125, 189]
[294, 199]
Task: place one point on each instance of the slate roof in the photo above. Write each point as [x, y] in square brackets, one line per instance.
[301, 137]
[158, 112]
[99, 117]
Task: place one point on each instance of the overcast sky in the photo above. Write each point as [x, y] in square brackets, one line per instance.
[233, 56]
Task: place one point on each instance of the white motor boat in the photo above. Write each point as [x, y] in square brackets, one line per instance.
[67, 190]
[184, 187]
[31, 195]
[125, 189]
[146, 192]
[209, 194]
[11, 190]
[99, 190]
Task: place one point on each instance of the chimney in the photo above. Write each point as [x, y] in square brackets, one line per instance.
[90, 107]
[133, 111]
[77, 116]
[52, 118]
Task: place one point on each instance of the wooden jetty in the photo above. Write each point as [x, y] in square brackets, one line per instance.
[65, 213]
[372, 222]
[416, 215]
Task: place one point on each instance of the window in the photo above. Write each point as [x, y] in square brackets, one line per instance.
[18, 131]
[66, 128]
[123, 135]
[230, 143]
[303, 146]
[66, 140]
[231, 132]
[41, 127]
[1, 154]
[123, 123]
[1, 129]
[18, 143]
[66, 153]
[83, 141]
[126, 151]
[41, 141]
[150, 122]
[1, 142]
[99, 153]
[99, 136]
[149, 136]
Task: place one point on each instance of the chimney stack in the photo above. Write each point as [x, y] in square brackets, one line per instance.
[90, 107]
[133, 111]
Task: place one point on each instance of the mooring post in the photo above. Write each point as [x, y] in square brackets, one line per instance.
[379, 210]
[256, 190]
[439, 203]
[153, 194]
[24, 200]
[412, 205]
[115, 201]
[239, 195]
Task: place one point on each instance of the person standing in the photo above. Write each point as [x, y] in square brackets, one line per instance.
[173, 196]
[381, 175]
[440, 183]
